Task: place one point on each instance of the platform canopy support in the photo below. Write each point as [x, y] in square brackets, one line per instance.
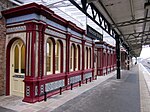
[118, 56]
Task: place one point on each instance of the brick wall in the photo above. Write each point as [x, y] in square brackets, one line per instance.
[4, 4]
[2, 55]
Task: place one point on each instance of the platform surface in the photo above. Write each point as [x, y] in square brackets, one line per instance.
[106, 94]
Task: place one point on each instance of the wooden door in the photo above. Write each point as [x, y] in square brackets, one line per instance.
[17, 74]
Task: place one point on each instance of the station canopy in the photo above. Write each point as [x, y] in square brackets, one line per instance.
[129, 18]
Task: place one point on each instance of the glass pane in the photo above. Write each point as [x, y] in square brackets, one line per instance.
[48, 58]
[71, 57]
[57, 52]
[57, 63]
[48, 63]
[87, 57]
[16, 59]
[76, 57]
[90, 59]
[47, 48]
[23, 59]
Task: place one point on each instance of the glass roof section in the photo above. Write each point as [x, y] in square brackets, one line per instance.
[68, 11]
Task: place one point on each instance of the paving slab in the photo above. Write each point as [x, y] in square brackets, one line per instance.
[15, 103]
[112, 95]
[2, 109]
[106, 94]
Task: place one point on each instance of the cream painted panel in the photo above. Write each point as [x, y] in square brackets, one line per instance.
[22, 36]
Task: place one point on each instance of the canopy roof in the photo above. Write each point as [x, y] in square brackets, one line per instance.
[130, 18]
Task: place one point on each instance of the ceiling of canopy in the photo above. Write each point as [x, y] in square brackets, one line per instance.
[131, 20]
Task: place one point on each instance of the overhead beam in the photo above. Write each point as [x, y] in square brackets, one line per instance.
[133, 40]
[121, 34]
[101, 21]
[137, 33]
[97, 17]
[137, 48]
[131, 22]
[136, 37]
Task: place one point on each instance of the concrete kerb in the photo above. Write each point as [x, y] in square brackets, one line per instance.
[144, 79]
[146, 75]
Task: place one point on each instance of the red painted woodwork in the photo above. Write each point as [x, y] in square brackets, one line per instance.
[92, 59]
[68, 36]
[79, 52]
[41, 30]
[32, 28]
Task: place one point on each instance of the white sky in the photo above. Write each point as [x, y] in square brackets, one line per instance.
[145, 53]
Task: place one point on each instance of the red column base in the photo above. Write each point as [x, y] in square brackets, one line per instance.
[31, 90]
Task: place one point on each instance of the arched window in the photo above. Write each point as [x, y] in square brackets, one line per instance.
[58, 57]
[75, 58]
[49, 56]
[16, 61]
[19, 57]
[90, 59]
[86, 58]
[72, 57]
[23, 59]
[78, 57]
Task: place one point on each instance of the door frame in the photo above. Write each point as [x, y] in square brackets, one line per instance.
[8, 54]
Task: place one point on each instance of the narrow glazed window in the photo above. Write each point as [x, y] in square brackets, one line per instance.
[90, 59]
[58, 57]
[49, 56]
[72, 52]
[71, 58]
[19, 57]
[87, 58]
[16, 59]
[23, 59]
[78, 57]
[75, 58]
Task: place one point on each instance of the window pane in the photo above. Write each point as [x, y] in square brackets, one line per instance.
[48, 58]
[16, 60]
[85, 60]
[78, 58]
[71, 57]
[87, 57]
[75, 58]
[23, 59]
[48, 63]
[57, 56]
